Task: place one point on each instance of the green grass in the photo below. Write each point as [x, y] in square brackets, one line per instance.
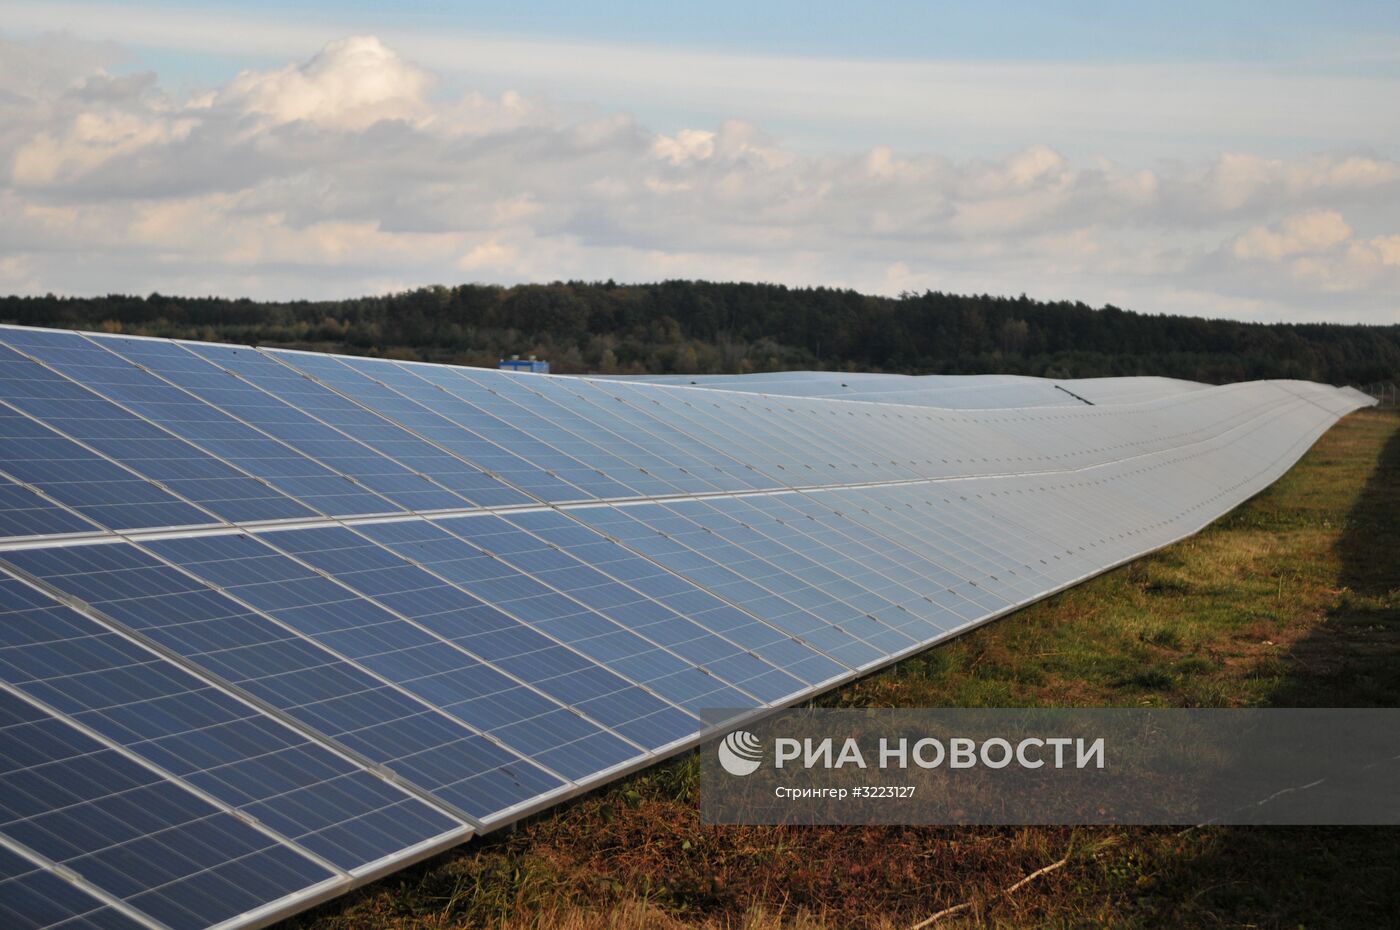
[1291, 600]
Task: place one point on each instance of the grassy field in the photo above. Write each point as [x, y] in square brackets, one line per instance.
[1291, 600]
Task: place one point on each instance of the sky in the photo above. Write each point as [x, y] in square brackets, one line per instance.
[1223, 160]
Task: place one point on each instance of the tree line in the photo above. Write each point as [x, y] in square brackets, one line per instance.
[704, 327]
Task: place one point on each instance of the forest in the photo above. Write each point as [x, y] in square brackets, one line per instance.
[704, 327]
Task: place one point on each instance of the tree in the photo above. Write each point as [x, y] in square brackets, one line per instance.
[699, 326]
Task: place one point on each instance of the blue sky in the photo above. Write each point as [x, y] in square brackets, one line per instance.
[1219, 159]
[194, 45]
[1094, 31]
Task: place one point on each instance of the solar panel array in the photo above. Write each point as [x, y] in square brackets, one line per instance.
[961, 392]
[275, 623]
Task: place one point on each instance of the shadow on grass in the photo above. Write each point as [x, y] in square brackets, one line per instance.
[1353, 659]
[1276, 876]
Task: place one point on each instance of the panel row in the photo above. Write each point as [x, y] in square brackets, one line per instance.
[487, 662]
[366, 634]
[955, 392]
[118, 433]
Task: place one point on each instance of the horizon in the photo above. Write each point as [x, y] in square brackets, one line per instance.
[1199, 161]
[676, 280]
[580, 282]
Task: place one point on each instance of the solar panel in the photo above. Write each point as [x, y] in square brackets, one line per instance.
[204, 736]
[271, 660]
[273, 623]
[133, 833]
[107, 426]
[34, 894]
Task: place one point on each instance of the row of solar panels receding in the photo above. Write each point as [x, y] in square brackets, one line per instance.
[275, 623]
[961, 392]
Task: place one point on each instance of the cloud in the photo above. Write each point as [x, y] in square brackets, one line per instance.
[351, 84]
[333, 175]
[1318, 251]
[686, 145]
[1316, 231]
[90, 140]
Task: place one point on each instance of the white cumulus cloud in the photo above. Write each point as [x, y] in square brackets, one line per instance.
[351, 84]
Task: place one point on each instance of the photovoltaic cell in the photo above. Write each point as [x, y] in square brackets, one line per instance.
[523, 462]
[281, 467]
[597, 437]
[369, 472]
[638, 424]
[519, 712]
[730, 574]
[632, 611]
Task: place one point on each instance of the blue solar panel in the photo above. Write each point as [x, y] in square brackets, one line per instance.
[861, 558]
[74, 409]
[597, 634]
[34, 898]
[538, 635]
[592, 463]
[722, 658]
[393, 646]
[817, 574]
[81, 480]
[644, 420]
[360, 609]
[271, 417]
[464, 430]
[134, 834]
[517, 433]
[325, 467]
[530, 715]
[730, 577]
[275, 664]
[199, 733]
[681, 597]
[596, 436]
[459, 484]
[420, 419]
[313, 485]
[24, 513]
